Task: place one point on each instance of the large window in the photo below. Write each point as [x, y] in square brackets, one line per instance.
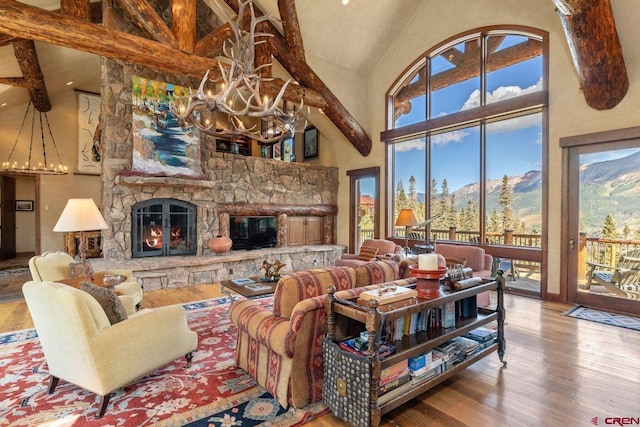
[465, 134]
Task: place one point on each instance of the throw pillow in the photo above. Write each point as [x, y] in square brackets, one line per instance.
[367, 253]
[111, 304]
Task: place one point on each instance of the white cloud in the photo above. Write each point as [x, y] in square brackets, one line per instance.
[414, 144]
[501, 93]
[445, 138]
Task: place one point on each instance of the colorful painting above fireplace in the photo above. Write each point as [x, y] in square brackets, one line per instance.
[161, 145]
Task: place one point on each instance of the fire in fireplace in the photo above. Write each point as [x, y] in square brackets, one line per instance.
[163, 227]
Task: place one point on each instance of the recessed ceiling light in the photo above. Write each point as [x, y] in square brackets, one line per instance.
[345, 2]
[4, 104]
[69, 83]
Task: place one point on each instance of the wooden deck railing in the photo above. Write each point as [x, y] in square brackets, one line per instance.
[508, 237]
[602, 251]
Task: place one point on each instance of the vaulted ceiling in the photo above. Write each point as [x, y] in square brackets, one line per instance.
[365, 30]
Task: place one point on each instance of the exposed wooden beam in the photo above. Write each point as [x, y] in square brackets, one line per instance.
[14, 81]
[27, 57]
[467, 70]
[300, 70]
[334, 110]
[211, 44]
[291, 28]
[183, 22]
[34, 23]
[595, 47]
[147, 19]
[79, 8]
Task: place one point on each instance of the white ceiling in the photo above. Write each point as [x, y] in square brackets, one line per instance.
[351, 36]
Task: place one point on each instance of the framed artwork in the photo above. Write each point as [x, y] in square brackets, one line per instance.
[89, 133]
[288, 149]
[310, 142]
[277, 151]
[24, 205]
[161, 145]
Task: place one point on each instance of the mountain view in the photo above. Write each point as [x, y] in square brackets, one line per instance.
[610, 187]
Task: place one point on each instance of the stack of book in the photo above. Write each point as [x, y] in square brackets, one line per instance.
[459, 348]
[427, 366]
[483, 336]
[394, 376]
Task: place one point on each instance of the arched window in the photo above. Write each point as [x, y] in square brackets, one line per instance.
[466, 134]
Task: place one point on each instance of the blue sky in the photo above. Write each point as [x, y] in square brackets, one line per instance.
[513, 146]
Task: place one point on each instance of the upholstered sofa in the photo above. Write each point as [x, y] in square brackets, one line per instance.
[282, 347]
[83, 347]
[381, 247]
[56, 266]
[474, 257]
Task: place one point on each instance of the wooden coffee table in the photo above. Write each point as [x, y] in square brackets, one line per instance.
[226, 286]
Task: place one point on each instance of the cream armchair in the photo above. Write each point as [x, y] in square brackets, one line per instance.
[83, 348]
[55, 266]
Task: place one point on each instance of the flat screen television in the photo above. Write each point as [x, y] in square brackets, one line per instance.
[252, 232]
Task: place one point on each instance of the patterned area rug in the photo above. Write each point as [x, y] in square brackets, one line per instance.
[211, 393]
[580, 312]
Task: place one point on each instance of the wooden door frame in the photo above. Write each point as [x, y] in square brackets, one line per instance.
[354, 175]
[571, 146]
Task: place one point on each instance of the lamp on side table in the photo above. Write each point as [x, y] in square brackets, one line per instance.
[407, 218]
[81, 215]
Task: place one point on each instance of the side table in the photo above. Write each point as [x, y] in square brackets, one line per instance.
[98, 280]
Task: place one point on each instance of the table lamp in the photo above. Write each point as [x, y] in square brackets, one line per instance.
[81, 215]
[406, 218]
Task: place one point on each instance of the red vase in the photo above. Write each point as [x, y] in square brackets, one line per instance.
[220, 244]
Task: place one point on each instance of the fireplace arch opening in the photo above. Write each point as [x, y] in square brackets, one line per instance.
[163, 227]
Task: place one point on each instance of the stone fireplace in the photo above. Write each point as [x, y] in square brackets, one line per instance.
[231, 185]
[163, 227]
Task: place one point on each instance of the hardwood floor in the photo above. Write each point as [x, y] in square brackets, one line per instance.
[561, 371]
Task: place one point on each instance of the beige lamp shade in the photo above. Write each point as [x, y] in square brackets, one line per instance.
[406, 218]
[80, 215]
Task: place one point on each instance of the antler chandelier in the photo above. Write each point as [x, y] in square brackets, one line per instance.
[29, 166]
[238, 90]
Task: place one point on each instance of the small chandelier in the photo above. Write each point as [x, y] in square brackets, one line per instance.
[35, 164]
[237, 91]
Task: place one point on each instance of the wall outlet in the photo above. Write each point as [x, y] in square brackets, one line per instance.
[231, 271]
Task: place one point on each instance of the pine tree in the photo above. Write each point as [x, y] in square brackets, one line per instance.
[609, 228]
[494, 222]
[505, 201]
[401, 197]
[443, 221]
[453, 213]
[626, 231]
[473, 217]
[433, 201]
[412, 200]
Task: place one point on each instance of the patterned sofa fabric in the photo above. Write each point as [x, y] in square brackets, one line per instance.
[375, 272]
[282, 348]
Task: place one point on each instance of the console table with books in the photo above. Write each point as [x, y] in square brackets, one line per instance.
[378, 355]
